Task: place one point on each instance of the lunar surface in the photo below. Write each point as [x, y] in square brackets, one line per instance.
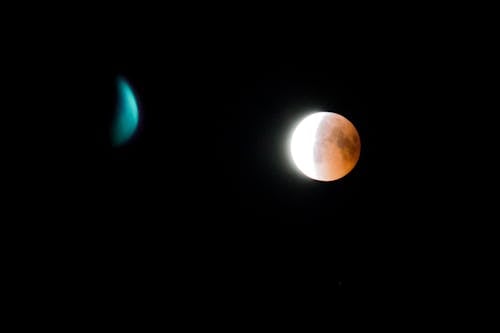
[325, 146]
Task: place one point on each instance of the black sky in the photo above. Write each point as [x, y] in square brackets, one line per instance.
[203, 206]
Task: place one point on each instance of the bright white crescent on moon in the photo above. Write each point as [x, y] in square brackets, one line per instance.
[325, 146]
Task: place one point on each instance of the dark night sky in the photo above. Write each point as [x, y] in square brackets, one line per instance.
[204, 203]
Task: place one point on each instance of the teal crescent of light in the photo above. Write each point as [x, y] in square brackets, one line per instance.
[127, 114]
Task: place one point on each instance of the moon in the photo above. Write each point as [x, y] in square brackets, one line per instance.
[325, 146]
[127, 114]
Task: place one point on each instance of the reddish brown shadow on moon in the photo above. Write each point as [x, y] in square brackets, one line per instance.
[337, 147]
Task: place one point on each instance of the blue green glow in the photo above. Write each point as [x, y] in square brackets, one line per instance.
[127, 114]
